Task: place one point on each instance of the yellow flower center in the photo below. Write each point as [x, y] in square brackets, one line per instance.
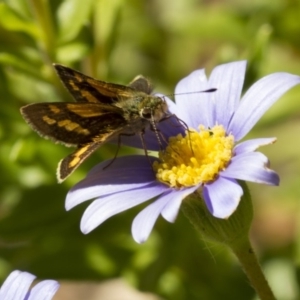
[195, 158]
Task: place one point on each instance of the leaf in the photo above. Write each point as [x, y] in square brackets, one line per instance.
[10, 20]
[71, 52]
[72, 15]
[19, 63]
[106, 16]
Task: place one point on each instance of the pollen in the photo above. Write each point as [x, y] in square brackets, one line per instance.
[195, 158]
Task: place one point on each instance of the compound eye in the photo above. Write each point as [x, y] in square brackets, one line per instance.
[146, 113]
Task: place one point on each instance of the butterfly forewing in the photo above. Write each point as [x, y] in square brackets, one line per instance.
[73, 123]
[87, 89]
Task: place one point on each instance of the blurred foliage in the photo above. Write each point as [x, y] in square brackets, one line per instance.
[114, 40]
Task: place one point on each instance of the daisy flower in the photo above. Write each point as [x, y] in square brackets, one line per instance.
[17, 287]
[206, 158]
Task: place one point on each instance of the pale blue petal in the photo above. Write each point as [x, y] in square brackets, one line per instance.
[132, 163]
[228, 79]
[222, 197]
[89, 193]
[168, 205]
[193, 106]
[258, 99]
[44, 290]
[102, 209]
[170, 211]
[144, 221]
[251, 166]
[252, 145]
[16, 285]
[125, 173]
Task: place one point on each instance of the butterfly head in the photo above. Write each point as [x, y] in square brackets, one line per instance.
[153, 109]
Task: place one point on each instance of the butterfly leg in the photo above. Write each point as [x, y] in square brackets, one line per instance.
[119, 145]
[181, 123]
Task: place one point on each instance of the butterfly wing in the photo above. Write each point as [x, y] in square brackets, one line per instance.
[85, 125]
[67, 165]
[73, 124]
[142, 84]
[87, 89]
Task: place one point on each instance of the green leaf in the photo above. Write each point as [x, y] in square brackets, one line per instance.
[20, 6]
[13, 60]
[71, 52]
[10, 20]
[106, 15]
[72, 16]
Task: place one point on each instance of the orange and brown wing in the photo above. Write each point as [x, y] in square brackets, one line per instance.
[73, 123]
[87, 89]
[68, 165]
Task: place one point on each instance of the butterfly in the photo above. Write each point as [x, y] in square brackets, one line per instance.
[101, 112]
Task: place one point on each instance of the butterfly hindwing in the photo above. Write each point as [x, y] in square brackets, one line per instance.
[67, 165]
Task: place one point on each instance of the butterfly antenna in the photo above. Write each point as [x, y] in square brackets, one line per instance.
[196, 92]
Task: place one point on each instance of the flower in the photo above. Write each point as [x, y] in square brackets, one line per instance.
[17, 284]
[205, 158]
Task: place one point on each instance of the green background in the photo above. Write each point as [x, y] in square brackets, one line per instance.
[114, 40]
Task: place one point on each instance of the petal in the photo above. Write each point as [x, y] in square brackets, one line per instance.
[173, 109]
[170, 126]
[228, 79]
[165, 129]
[44, 290]
[16, 285]
[170, 211]
[222, 197]
[103, 208]
[144, 221]
[252, 145]
[193, 107]
[252, 166]
[125, 173]
[132, 163]
[168, 205]
[258, 100]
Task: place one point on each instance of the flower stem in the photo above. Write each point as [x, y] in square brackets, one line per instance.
[247, 258]
[232, 232]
